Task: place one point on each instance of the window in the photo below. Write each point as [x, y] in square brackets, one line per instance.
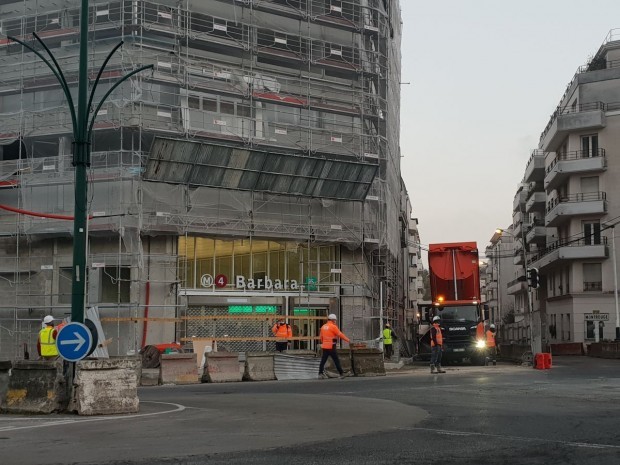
[115, 284]
[589, 185]
[591, 232]
[590, 328]
[589, 145]
[592, 277]
[209, 104]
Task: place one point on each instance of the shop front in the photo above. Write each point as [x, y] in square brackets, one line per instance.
[235, 290]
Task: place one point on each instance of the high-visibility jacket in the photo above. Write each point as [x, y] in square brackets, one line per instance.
[387, 336]
[282, 331]
[436, 336]
[330, 334]
[47, 340]
[480, 330]
[490, 338]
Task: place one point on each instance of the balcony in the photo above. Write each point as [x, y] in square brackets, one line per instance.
[536, 202]
[518, 260]
[516, 286]
[584, 117]
[578, 162]
[580, 249]
[535, 169]
[517, 228]
[519, 201]
[581, 204]
[536, 235]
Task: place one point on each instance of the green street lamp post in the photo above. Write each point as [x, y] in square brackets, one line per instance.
[82, 135]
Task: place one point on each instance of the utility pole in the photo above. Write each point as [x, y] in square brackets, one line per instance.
[613, 248]
[82, 135]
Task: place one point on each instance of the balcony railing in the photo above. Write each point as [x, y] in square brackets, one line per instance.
[573, 198]
[575, 155]
[582, 242]
[592, 286]
[592, 106]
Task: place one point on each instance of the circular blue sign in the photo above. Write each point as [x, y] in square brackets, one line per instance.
[74, 342]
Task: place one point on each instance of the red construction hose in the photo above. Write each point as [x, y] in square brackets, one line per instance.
[40, 215]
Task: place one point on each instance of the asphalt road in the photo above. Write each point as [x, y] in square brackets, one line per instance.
[471, 415]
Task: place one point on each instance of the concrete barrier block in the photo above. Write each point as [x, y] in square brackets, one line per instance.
[570, 348]
[610, 350]
[259, 366]
[179, 369]
[36, 386]
[106, 386]
[5, 369]
[150, 377]
[368, 362]
[221, 367]
[346, 362]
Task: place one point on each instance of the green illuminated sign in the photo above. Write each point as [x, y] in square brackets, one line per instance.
[250, 309]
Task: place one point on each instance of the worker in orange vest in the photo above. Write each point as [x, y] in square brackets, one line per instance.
[330, 333]
[436, 346]
[491, 346]
[46, 343]
[283, 332]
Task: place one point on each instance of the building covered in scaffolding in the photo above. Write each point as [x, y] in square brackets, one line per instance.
[254, 172]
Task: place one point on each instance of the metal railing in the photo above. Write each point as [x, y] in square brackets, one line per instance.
[581, 242]
[575, 155]
[592, 286]
[573, 198]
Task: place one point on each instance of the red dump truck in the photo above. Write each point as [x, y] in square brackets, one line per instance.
[455, 291]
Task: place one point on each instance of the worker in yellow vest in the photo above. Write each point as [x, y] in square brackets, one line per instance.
[46, 344]
[388, 337]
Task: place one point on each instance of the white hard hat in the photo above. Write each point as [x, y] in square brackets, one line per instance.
[436, 318]
[492, 326]
[48, 319]
[332, 317]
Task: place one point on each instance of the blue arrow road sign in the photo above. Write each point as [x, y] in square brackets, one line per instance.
[74, 341]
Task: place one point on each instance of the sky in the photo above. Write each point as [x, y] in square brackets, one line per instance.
[483, 78]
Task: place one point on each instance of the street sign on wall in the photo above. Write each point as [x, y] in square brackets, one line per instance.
[596, 316]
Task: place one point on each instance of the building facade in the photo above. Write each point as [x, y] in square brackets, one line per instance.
[499, 276]
[254, 172]
[566, 203]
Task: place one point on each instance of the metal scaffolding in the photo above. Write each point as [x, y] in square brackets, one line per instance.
[312, 78]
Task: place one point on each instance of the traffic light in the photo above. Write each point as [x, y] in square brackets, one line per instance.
[533, 278]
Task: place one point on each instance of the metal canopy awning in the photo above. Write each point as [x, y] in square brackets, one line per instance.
[207, 164]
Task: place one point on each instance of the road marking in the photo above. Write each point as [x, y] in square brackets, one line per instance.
[514, 438]
[179, 408]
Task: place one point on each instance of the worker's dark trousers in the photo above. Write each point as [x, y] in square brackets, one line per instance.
[334, 355]
[436, 355]
[388, 350]
[281, 346]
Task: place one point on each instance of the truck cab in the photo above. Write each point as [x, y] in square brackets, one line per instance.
[459, 328]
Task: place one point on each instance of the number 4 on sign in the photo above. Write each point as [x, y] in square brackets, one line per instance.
[221, 280]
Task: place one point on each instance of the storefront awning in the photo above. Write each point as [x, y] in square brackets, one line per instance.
[206, 164]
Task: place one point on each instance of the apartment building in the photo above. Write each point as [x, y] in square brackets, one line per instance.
[254, 171]
[568, 197]
[415, 280]
[498, 279]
